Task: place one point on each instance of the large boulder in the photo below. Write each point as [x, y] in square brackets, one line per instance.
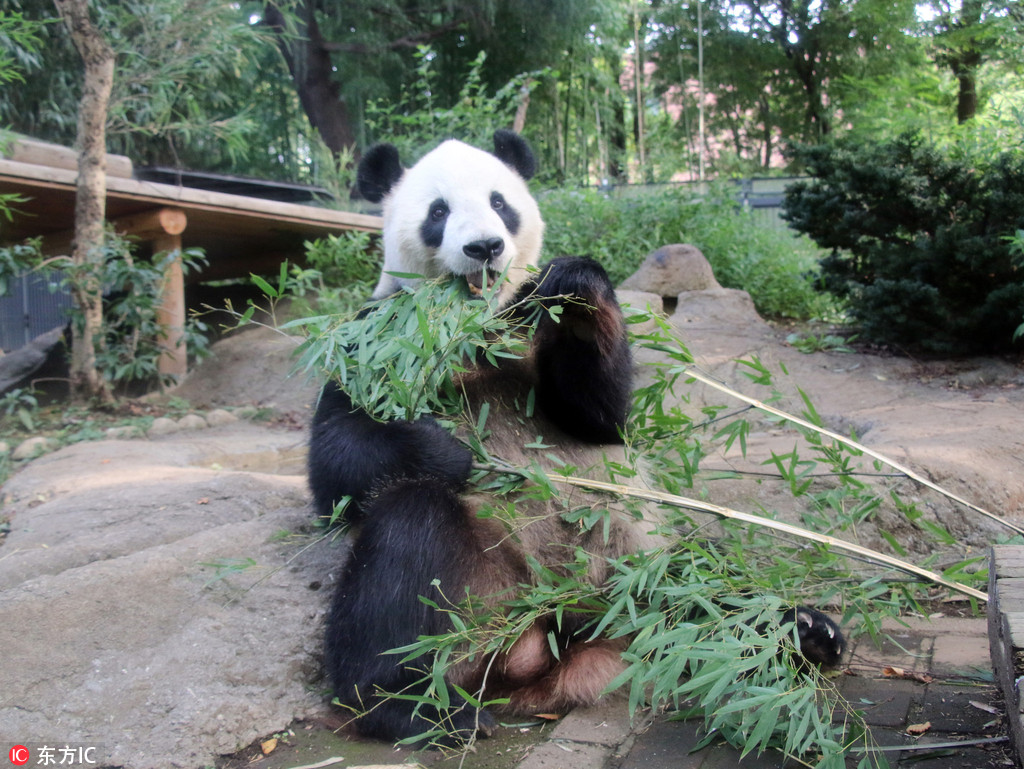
[671, 270]
[162, 601]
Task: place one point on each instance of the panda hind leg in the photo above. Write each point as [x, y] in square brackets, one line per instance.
[577, 679]
[416, 532]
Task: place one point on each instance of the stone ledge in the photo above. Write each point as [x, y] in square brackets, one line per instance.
[1006, 632]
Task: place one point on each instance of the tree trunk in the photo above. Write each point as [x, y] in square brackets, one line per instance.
[617, 129]
[967, 97]
[90, 199]
[764, 108]
[309, 63]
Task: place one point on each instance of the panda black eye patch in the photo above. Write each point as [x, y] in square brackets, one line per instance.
[432, 229]
[507, 214]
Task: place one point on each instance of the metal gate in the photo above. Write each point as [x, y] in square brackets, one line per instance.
[33, 305]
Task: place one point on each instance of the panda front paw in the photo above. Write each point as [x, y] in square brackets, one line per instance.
[576, 279]
[821, 641]
[465, 723]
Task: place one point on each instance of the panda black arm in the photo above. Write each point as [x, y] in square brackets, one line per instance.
[584, 367]
[351, 454]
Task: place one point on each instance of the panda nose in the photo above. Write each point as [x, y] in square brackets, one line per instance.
[484, 250]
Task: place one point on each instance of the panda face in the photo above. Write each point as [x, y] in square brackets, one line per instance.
[459, 211]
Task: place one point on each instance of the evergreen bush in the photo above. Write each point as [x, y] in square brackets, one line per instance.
[921, 241]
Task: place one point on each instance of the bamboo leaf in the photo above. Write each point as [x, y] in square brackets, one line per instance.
[736, 515]
[700, 377]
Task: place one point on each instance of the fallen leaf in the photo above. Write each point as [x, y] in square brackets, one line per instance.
[916, 729]
[203, 501]
[894, 672]
[983, 706]
[547, 716]
[268, 746]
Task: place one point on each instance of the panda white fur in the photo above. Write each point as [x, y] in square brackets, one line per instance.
[472, 212]
[461, 210]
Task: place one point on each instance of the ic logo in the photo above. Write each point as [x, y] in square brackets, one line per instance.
[19, 755]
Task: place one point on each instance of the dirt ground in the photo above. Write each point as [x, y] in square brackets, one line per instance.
[163, 596]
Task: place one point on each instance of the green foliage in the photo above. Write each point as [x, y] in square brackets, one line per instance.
[15, 259]
[919, 241]
[19, 43]
[808, 343]
[131, 338]
[400, 357]
[345, 268]
[20, 404]
[188, 76]
[774, 267]
[413, 122]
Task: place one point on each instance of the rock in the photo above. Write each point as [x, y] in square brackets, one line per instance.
[192, 422]
[163, 426]
[128, 635]
[5, 448]
[728, 307]
[246, 412]
[219, 417]
[123, 431]
[18, 365]
[641, 301]
[671, 270]
[32, 447]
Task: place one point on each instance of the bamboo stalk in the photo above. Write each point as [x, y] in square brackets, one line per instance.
[725, 512]
[854, 445]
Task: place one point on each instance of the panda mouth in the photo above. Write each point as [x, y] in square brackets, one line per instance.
[475, 280]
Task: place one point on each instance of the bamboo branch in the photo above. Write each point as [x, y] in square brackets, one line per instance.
[853, 445]
[725, 512]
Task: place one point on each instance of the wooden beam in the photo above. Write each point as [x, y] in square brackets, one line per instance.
[26, 150]
[162, 227]
[155, 223]
[144, 226]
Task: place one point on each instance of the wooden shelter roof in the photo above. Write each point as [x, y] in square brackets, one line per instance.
[239, 234]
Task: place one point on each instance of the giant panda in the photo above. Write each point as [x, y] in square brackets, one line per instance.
[466, 212]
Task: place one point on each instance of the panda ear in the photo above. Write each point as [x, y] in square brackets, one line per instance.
[512, 150]
[379, 171]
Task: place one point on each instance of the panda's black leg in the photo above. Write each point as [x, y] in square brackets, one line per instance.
[350, 453]
[584, 367]
[416, 542]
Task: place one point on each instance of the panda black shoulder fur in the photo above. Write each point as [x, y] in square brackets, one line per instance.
[463, 211]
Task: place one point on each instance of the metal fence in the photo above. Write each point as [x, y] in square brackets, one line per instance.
[32, 306]
[763, 197]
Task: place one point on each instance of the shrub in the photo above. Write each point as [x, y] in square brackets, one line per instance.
[777, 269]
[920, 241]
[344, 268]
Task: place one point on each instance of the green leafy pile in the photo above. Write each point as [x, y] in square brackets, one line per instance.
[700, 616]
